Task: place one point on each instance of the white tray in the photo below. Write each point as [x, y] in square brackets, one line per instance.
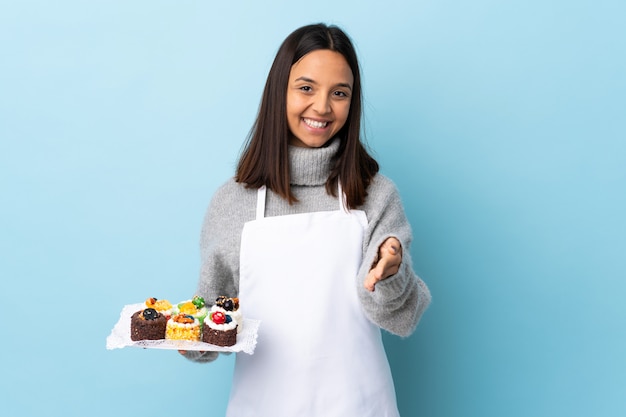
[120, 337]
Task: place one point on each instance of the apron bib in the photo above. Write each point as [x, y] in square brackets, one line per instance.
[317, 355]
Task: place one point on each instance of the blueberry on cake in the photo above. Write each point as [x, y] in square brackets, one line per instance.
[147, 324]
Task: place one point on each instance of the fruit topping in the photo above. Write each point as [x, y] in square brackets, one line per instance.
[218, 317]
[150, 314]
[183, 318]
[228, 304]
[162, 305]
[159, 305]
[198, 301]
[188, 308]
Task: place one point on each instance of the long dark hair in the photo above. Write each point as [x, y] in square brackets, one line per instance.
[265, 158]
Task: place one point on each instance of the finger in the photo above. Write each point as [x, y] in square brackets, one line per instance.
[370, 281]
[392, 258]
[387, 266]
[387, 263]
[376, 274]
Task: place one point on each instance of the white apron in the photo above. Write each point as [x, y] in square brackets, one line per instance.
[317, 354]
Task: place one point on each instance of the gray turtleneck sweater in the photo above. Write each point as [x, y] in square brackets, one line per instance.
[397, 303]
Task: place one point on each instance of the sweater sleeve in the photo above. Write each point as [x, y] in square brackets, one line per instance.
[398, 302]
[219, 255]
[219, 246]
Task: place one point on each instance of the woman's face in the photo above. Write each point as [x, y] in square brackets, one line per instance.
[318, 97]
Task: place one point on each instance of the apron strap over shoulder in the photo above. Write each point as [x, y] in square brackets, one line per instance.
[260, 202]
[343, 205]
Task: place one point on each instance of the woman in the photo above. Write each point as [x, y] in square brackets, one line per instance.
[314, 242]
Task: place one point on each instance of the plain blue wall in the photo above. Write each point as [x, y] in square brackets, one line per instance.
[502, 123]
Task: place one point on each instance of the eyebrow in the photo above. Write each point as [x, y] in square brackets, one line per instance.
[309, 80]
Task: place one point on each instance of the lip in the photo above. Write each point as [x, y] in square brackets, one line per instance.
[310, 136]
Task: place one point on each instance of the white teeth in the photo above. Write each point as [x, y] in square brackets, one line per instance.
[315, 124]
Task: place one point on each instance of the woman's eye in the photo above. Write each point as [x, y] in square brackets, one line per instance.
[305, 88]
[340, 94]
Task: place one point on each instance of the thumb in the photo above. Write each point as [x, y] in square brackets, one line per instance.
[391, 246]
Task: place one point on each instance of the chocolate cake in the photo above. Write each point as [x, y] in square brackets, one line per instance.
[219, 337]
[219, 326]
[147, 324]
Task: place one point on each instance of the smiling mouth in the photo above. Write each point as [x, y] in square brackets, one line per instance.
[314, 123]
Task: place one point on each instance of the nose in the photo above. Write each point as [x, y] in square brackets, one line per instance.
[321, 104]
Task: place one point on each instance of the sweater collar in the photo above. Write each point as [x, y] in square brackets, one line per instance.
[311, 166]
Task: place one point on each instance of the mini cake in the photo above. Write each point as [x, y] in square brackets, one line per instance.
[229, 306]
[183, 327]
[162, 306]
[194, 307]
[220, 328]
[147, 324]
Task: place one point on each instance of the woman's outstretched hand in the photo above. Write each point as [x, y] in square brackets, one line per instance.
[387, 263]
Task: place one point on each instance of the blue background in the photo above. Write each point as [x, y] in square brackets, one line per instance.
[502, 123]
